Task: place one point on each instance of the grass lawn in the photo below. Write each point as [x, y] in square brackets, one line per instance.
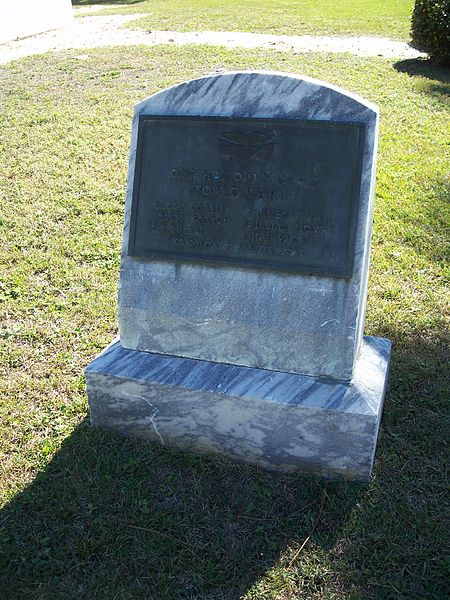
[388, 18]
[89, 515]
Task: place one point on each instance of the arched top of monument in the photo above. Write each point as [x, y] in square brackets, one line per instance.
[260, 94]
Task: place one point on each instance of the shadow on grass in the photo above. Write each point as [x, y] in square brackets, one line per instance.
[395, 544]
[423, 67]
[115, 518]
[439, 87]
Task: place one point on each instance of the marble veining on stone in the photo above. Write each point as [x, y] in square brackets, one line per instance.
[271, 320]
[248, 382]
[266, 367]
[280, 421]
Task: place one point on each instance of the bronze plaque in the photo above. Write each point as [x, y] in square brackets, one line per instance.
[258, 193]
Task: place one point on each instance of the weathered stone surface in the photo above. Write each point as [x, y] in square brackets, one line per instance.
[264, 362]
[267, 319]
[280, 421]
[272, 194]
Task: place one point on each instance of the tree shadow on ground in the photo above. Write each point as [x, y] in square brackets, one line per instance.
[425, 68]
[115, 518]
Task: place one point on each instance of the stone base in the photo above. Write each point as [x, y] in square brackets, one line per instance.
[279, 421]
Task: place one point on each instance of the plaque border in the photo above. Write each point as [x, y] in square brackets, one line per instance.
[248, 263]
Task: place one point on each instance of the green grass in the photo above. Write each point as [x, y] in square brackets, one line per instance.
[388, 18]
[88, 514]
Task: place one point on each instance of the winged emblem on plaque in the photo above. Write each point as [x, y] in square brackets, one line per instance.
[246, 146]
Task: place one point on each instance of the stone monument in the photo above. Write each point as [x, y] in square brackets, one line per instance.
[244, 277]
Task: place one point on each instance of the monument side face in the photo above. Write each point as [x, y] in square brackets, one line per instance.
[248, 223]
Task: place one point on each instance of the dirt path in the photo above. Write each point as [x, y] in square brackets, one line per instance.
[92, 32]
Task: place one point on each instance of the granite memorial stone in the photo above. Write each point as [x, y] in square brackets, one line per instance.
[244, 277]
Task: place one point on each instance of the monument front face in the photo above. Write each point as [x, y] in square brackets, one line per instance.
[248, 223]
